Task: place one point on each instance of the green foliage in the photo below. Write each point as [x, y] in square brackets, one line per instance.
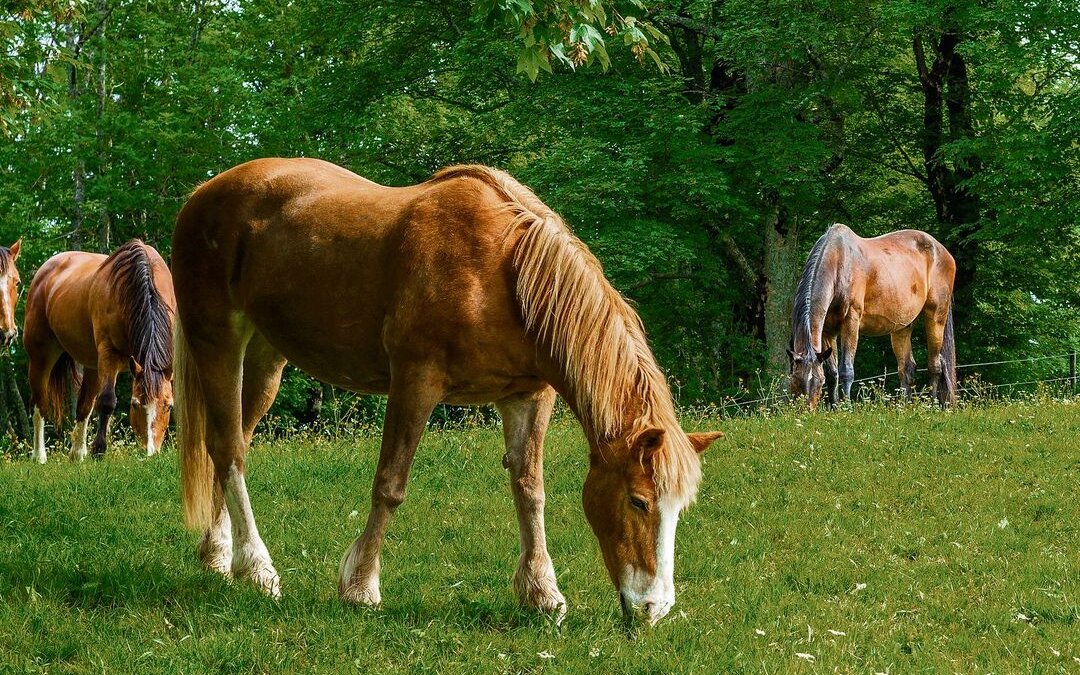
[668, 170]
[876, 539]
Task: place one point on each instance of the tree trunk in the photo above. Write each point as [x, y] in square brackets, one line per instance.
[14, 407]
[78, 173]
[946, 88]
[104, 235]
[781, 277]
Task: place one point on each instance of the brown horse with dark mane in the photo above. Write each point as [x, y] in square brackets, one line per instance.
[88, 317]
[879, 286]
[9, 293]
[464, 289]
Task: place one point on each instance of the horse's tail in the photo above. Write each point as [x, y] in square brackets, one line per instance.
[63, 380]
[196, 468]
[947, 383]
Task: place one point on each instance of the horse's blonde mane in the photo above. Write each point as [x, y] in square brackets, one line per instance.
[594, 335]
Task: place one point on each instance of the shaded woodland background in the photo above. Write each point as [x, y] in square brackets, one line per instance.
[698, 147]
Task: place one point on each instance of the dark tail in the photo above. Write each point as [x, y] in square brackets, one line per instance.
[64, 379]
[947, 381]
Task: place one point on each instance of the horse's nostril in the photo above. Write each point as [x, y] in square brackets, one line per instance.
[647, 608]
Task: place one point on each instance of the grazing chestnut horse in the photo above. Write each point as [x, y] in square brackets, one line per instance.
[103, 314]
[9, 293]
[464, 289]
[879, 286]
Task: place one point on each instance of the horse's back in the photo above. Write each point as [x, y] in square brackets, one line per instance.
[58, 304]
[342, 275]
[906, 272]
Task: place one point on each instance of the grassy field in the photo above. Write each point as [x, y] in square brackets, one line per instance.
[869, 540]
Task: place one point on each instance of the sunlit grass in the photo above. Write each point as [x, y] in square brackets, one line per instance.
[871, 539]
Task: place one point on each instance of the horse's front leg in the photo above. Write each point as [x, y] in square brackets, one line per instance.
[525, 420]
[105, 406]
[832, 394]
[414, 392]
[849, 342]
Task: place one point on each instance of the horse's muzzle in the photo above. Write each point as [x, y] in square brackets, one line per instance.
[9, 337]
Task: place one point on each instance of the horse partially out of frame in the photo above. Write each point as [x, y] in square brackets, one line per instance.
[853, 286]
[88, 317]
[9, 293]
[464, 289]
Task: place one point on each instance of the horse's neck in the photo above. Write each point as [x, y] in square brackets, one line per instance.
[821, 299]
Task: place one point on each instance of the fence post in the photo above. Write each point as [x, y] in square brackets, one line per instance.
[1072, 370]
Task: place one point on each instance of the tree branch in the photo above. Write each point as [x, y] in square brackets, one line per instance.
[660, 276]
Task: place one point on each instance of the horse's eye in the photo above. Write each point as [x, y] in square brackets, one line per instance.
[639, 504]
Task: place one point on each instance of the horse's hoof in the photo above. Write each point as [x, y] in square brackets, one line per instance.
[541, 593]
[215, 558]
[363, 594]
[266, 579]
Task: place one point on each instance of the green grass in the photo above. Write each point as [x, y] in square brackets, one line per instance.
[875, 539]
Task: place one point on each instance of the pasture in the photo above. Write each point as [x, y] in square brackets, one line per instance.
[871, 539]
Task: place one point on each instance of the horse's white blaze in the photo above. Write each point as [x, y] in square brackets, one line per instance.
[655, 594]
[5, 302]
[151, 415]
[39, 437]
[78, 439]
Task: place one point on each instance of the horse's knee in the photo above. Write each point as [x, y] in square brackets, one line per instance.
[389, 497]
[106, 402]
[846, 374]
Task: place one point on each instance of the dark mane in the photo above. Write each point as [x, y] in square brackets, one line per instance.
[147, 318]
[5, 259]
[801, 330]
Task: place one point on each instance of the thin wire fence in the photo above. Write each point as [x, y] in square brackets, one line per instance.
[980, 388]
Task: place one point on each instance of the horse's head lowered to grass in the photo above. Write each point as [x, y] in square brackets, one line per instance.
[632, 499]
[808, 375]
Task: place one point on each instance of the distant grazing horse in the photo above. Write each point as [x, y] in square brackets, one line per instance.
[465, 289]
[877, 286]
[9, 293]
[105, 314]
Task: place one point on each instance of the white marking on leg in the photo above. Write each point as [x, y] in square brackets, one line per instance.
[38, 452]
[250, 558]
[534, 579]
[354, 587]
[151, 415]
[655, 594]
[215, 549]
[78, 440]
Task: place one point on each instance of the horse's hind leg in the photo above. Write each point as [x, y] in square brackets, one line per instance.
[905, 362]
[262, 377]
[525, 420]
[414, 392]
[219, 351]
[40, 369]
[935, 318]
[90, 385]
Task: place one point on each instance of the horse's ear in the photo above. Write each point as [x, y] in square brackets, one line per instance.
[15, 249]
[134, 366]
[702, 440]
[824, 356]
[648, 442]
